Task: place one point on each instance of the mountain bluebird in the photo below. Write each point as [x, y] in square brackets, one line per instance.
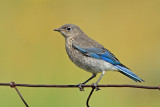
[90, 55]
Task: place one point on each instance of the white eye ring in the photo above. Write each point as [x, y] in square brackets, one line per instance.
[69, 28]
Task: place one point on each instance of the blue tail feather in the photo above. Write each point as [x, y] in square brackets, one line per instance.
[128, 73]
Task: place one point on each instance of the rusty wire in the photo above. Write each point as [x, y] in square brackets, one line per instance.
[14, 85]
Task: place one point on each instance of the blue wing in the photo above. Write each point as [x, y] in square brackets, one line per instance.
[104, 54]
[99, 53]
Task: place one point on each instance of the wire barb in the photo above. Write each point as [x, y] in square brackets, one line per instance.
[12, 85]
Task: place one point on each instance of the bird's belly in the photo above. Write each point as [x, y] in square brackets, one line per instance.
[94, 65]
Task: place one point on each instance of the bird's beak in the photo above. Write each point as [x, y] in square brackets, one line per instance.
[56, 29]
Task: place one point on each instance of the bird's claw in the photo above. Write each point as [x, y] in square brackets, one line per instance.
[94, 85]
[80, 87]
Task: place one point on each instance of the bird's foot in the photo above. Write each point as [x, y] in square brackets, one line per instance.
[80, 86]
[94, 85]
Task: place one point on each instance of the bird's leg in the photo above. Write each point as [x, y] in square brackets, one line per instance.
[80, 85]
[95, 84]
[93, 75]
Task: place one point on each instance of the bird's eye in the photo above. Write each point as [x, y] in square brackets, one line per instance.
[68, 28]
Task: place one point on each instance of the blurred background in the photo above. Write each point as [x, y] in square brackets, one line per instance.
[32, 53]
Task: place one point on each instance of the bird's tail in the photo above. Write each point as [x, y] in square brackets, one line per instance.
[124, 70]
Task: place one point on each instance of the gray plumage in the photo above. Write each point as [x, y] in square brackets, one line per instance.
[77, 37]
[90, 55]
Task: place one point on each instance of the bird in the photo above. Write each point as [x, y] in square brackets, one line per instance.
[91, 56]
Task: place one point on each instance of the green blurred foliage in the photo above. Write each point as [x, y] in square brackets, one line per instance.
[30, 52]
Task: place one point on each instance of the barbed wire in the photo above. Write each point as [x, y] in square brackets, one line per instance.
[14, 85]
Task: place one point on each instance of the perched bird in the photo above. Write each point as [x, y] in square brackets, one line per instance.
[91, 56]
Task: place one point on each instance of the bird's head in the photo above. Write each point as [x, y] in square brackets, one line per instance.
[69, 30]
